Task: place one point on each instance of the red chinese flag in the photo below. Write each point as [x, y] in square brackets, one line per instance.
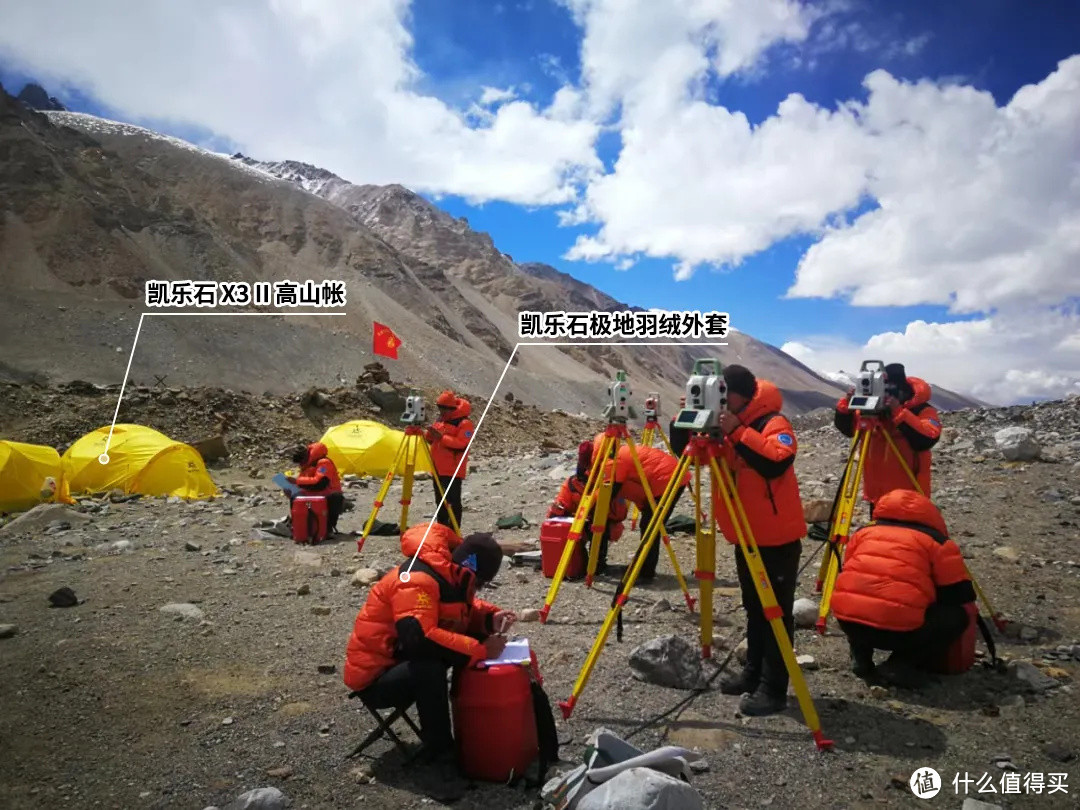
[385, 341]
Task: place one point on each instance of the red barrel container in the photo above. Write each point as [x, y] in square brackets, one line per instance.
[494, 722]
[960, 657]
[309, 515]
[553, 535]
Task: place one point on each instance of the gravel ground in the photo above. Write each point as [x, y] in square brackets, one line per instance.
[113, 703]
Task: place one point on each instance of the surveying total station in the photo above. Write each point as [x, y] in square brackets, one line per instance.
[868, 404]
[649, 433]
[596, 497]
[412, 443]
[706, 399]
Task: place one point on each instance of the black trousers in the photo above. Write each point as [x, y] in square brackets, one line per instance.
[452, 487]
[586, 532]
[423, 682]
[763, 658]
[648, 571]
[923, 646]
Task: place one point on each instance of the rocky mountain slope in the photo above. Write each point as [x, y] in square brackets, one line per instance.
[92, 209]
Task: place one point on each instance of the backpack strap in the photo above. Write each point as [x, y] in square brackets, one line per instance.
[991, 647]
[763, 420]
[929, 531]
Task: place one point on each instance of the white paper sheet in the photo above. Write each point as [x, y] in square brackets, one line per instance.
[515, 652]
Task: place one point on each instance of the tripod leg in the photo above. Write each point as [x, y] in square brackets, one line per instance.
[706, 567]
[584, 506]
[407, 484]
[841, 528]
[380, 496]
[771, 608]
[663, 517]
[651, 532]
[646, 441]
[599, 524]
[826, 558]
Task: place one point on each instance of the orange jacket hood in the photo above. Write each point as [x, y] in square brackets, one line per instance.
[921, 393]
[437, 547]
[911, 507]
[315, 451]
[767, 399]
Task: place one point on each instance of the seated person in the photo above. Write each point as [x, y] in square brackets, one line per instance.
[569, 498]
[903, 588]
[318, 476]
[409, 634]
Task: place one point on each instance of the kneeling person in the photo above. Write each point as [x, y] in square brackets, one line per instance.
[903, 588]
[408, 634]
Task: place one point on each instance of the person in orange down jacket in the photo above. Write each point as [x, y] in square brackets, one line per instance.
[409, 634]
[914, 426]
[318, 476]
[903, 587]
[449, 437]
[569, 498]
[760, 447]
[659, 467]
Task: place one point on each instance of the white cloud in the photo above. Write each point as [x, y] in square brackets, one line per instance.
[330, 82]
[1002, 360]
[494, 95]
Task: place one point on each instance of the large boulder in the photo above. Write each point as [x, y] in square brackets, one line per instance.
[668, 661]
[643, 789]
[387, 398]
[1016, 444]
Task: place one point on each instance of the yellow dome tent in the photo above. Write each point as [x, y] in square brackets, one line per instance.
[25, 473]
[140, 460]
[368, 448]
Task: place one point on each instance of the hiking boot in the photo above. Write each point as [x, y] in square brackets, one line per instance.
[762, 702]
[902, 673]
[738, 684]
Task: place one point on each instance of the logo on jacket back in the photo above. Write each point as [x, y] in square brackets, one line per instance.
[934, 422]
[786, 438]
[423, 600]
[468, 433]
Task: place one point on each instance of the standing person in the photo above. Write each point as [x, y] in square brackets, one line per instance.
[318, 476]
[409, 634]
[449, 437]
[759, 447]
[912, 423]
[904, 588]
[659, 467]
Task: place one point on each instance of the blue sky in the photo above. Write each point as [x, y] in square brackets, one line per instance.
[536, 47]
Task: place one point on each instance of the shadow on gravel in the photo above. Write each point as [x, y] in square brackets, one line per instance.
[443, 788]
[862, 727]
[978, 688]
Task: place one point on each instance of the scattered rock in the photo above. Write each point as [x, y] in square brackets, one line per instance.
[189, 546]
[1016, 444]
[805, 612]
[975, 804]
[807, 662]
[260, 799]
[661, 606]
[1007, 553]
[307, 558]
[321, 610]
[327, 669]
[1059, 753]
[8, 630]
[362, 577]
[817, 511]
[283, 772]
[530, 615]
[183, 609]
[42, 516]
[63, 597]
[1027, 673]
[668, 661]
[303, 590]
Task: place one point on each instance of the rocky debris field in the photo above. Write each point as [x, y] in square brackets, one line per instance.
[259, 430]
[199, 658]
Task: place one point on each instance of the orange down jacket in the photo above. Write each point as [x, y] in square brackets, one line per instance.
[317, 469]
[434, 613]
[897, 566]
[760, 453]
[914, 428]
[657, 465]
[456, 429]
[569, 498]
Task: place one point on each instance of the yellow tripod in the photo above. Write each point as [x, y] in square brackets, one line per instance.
[649, 433]
[596, 501]
[703, 452]
[844, 508]
[412, 444]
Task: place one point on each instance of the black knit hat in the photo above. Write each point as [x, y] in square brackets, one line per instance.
[480, 553]
[740, 380]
